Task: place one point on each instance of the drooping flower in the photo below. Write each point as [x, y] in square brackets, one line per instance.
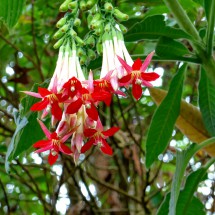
[98, 137]
[137, 75]
[54, 143]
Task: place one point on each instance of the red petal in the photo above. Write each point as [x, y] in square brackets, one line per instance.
[40, 105]
[106, 149]
[125, 79]
[74, 106]
[87, 145]
[111, 131]
[65, 149]
[56, 111]
[52, 159]
[136, 90]
[92, 112]
[146, 62]
[137, 64]
[89, 132]
[42, 143]
[150, 76]
[43, 91]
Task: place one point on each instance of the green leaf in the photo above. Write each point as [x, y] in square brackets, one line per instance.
[10, 11]
[153, 28]
[187, 203]
[207, 102]
[167, 47]
[164, 119]
[27, 131]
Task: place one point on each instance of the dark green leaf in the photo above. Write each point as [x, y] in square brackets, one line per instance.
[207, 102]
[163, 121]
[168, 47]
[153, 27]
[10, 11]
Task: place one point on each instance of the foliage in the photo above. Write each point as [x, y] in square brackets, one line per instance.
[162, 157]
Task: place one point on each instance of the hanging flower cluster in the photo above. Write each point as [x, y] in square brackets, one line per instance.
[72, 100]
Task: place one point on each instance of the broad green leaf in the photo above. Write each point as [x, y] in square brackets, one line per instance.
[167, 47]
[153, 27]
[10, 11]
[189, 122]
[207, 102]
[163, 121]
[27, 131]
[160, 9]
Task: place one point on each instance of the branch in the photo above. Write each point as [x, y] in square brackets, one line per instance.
[5, 197]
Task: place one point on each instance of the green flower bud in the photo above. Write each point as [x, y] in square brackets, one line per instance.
[89, 19]
[83, 60]
[91, 54]
[119, 15]
[83, 5]
[79, 41]
[61, 22]
[73, 33]
[94, 10]
[99, 48]
[108, 7]
[58, 34]
[123, 28]
[97, 17]
[108, 27]
[64, 28]
[64, 6]
[99, 30]
[77, 22]
[80, 52]
[91, 3]
[58, 43]
[73, 5]
[90, 41]
[96, 25]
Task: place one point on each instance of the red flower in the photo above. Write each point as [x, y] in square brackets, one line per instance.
[137, 75]
[71, 87]
[98, 137]
[54, 143]
[49, 100]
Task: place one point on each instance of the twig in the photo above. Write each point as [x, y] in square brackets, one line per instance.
[5, 197]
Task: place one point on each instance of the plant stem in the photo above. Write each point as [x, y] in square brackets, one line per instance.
[184, 22]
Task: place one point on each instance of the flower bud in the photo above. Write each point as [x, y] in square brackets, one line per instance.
[91, 3]
[73, 33]
[91, 54]
[96, 24]
[61, 22]
[64, 6]
[79, 41]
[58, 43]
[107, 27]
[83, 60]
[58, 34]
[123, 28]
[90, 41]
[83, 5]
[108, 7]
[89, 19]
[94, 10]
[77, 22]
[99, 48]
[72, 5]
[64, 28]
[99, 30]
[119, 15]
[80, 52]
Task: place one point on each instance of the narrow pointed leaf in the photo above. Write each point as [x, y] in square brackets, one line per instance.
[207, 102]
[164, 119]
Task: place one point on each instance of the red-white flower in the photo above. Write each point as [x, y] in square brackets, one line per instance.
[54, 143]
[98, 137]
[137, 75]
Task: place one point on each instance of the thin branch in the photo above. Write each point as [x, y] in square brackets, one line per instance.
[5, 197]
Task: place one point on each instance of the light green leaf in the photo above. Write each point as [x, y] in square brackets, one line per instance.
[207, 102]
[153, 27]
[10, 11]
[164, 119]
